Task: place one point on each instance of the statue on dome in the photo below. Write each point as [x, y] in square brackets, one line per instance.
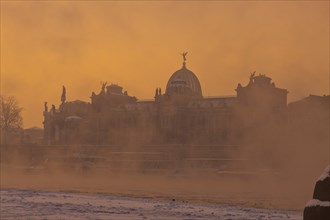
[184, 54]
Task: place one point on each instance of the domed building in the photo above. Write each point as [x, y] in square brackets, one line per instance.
[181, 115]
[184, 82]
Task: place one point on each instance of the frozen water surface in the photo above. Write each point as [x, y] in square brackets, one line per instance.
[35, 204]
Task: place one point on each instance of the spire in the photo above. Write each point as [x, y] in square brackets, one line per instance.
[156, 93]
[63, 96]
[184, 54]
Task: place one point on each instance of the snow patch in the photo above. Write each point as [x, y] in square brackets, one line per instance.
[37, 204]
[316, 202]
[325, 174]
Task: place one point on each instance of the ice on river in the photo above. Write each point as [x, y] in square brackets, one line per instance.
[36, 204]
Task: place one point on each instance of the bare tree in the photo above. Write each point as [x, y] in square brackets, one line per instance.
[10, 116]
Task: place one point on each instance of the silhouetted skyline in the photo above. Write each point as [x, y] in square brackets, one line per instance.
[137, 44]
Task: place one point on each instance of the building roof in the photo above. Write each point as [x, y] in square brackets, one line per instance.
[184, 81]
[312, 99]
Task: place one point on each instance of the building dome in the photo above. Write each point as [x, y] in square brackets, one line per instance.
[184, 82]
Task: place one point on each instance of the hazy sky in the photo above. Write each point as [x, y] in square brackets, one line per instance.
[45, 45]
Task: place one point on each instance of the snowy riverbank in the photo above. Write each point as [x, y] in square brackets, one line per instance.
[36, 204]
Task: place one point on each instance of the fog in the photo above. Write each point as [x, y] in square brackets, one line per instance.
[272, 167]
[45, 45]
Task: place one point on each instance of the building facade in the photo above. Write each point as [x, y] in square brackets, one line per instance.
[180, 115]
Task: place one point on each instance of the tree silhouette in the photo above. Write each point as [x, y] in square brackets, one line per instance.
[10, 116]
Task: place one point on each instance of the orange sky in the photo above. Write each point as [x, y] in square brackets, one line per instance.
[45, 45]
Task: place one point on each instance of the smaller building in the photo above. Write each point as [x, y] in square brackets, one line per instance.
[262, 93]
